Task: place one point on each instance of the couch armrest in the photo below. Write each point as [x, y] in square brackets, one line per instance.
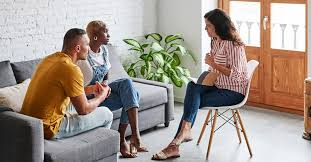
[169, 108]
[21, 138]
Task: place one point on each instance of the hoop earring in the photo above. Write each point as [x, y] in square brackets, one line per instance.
[95, 38]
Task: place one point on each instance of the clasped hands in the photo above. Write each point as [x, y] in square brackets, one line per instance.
[211, 76]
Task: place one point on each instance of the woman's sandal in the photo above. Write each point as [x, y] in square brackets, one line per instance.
[164, 156]
[187, 140]
[127, 154]
[136, 147]
[306, 136]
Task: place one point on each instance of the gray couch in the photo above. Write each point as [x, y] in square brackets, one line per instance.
[21, 137]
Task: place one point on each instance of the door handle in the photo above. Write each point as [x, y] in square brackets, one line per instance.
[265, 21]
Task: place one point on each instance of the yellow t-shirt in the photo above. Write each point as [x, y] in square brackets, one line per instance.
[55, 80]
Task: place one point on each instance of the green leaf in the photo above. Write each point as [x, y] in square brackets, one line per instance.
[165, 79]
[176, 80]
[156, 47]
[131, 72]
[148, 66]
[186, 72]
[176, 61]
[132, 42]
[142, 70]
[181, 49]
[144, 45]
[144, 57]
[150, 58]
[150, 76]
[184, 79]
[160, 70]
[167, 67]
[136, 49]
[166, 56]
[179, 70]
[132, 66]
[158, 59]
[171, 38]
[155, 36]
[171, 72]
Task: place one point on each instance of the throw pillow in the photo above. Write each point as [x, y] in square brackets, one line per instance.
[13, 97]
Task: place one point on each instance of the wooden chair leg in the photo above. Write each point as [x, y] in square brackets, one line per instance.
[236, 125]
[244, 133]
[212, 133]
[204, 126]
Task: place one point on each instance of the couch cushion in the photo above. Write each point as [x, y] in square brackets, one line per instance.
[6, 74]
[23, 70]
[150, 96]
[89, 146]
[13, 96]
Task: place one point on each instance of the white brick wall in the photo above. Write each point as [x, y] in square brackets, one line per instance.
[32, 29]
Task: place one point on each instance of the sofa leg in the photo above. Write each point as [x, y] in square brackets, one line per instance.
[166, 124]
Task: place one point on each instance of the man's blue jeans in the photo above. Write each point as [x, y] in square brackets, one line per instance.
[198, 96]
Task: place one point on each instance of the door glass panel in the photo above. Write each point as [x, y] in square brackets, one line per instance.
[246, 18]
[288, 27]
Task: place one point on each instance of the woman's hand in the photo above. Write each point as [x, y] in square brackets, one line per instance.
[209, 60]
[105, 84]
[210, 79]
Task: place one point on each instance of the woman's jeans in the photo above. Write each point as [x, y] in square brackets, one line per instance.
[123, 95]
[198, 96]
[73, 123]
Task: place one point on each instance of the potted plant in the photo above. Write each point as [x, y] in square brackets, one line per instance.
[159, 59]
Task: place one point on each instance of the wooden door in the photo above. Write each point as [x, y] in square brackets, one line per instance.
[275, 34]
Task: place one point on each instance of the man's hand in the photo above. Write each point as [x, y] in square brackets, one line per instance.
[101, 91]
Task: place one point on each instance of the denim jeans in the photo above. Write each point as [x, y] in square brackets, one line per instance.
[123, 95]
[73, 123]
[198, 96]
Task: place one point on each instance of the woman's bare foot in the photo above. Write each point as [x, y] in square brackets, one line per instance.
[171, 151]
[125, 150]
[184, 136]
[136, 145]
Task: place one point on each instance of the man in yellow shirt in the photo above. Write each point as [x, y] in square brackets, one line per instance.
[57, 81]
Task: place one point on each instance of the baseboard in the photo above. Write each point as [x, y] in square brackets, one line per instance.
[280, 109]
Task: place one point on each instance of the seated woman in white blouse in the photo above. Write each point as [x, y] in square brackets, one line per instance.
[123, 93]
[226, 81]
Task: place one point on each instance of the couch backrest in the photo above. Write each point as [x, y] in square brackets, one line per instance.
[6, 74]
[17, 72]
[23, 70]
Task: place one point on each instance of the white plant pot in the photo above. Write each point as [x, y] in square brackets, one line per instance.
[179, 93]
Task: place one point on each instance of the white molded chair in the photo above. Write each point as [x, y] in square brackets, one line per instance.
[251, 67]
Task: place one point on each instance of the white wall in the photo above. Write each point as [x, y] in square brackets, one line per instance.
[35, 28]
[182, 16]
[207, 5]
[186, 17]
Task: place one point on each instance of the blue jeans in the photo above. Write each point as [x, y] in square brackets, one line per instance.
[123, 95]
[73, 123]
[198, 96]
